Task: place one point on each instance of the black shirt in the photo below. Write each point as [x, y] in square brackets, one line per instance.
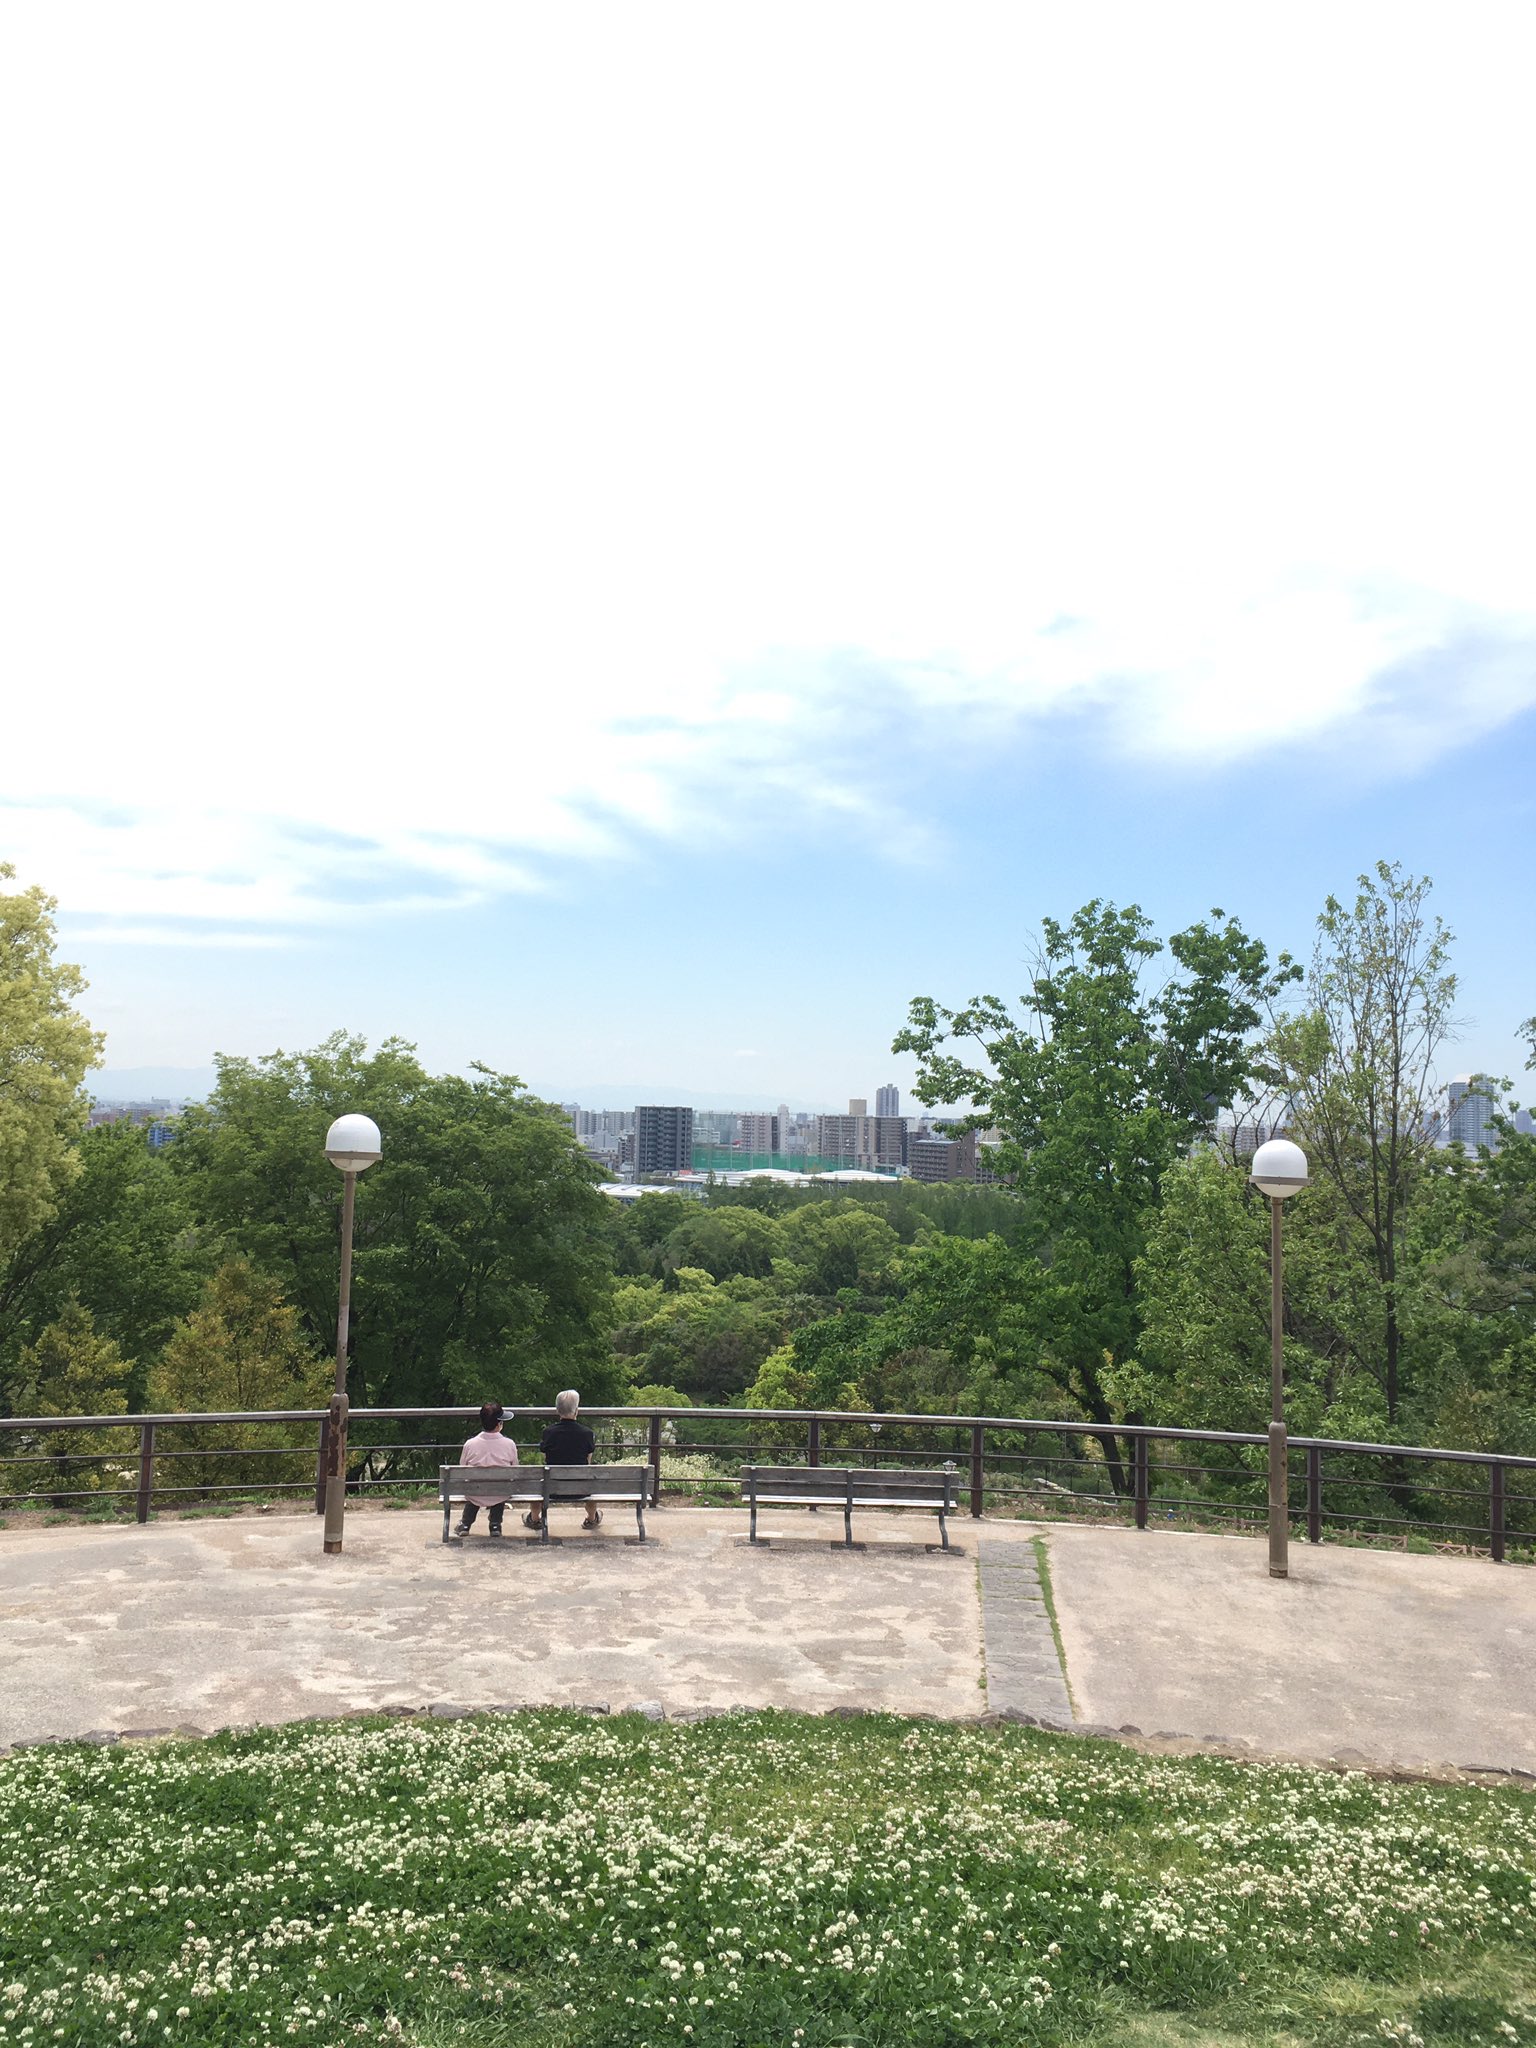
[567, 1442]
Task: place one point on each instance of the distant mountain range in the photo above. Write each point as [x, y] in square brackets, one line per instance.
[194, 1084]
[144, 1084]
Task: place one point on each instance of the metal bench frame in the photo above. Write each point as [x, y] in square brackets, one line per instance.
[847, 1487]
[542, 1485]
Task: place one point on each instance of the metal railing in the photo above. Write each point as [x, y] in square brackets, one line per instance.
[1138, 1474]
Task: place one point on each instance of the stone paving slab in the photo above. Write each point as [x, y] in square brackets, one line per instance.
[1024, 1673]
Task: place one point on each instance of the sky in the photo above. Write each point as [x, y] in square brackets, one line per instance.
[626, 543]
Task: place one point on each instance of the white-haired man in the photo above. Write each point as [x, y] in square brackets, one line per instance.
[566, 1442]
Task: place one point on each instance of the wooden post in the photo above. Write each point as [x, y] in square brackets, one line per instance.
[146, 1468]
[653, 1452]
[320, 1462]
[1140, 1479]
[1315, 1494]
[813, 1442]
[976, 1451]
[1496, 1513]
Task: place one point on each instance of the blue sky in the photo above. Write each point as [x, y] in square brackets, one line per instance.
[626, 546]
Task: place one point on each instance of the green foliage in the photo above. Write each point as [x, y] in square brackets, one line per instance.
[703, 1337]
[1356, 1070]
[241, 1349]
[1204, 1360]
[481, 1261]
[121, 1241]
[46, 1050]
[1105, 1081]
[73, 1370]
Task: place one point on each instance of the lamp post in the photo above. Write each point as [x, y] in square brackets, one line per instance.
[352, 1145]
[1279, 1170]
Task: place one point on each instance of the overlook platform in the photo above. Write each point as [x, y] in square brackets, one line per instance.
[1362, 1655]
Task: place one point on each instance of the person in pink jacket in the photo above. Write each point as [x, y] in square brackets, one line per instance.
[490, 1447]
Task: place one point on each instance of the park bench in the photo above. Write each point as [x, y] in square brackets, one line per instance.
[525, 1486]
[848, 1487]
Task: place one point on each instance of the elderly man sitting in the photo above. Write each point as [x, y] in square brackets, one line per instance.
[566, 1442]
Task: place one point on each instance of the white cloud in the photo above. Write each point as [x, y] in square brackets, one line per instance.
[444, 449]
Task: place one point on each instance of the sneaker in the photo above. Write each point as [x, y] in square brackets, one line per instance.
[461, 1528]
[530, 1523]
[593, 1519]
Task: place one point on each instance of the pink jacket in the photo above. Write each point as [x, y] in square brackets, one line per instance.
[490, 1447]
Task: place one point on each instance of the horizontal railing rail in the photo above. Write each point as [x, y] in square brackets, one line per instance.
[1137, 1469]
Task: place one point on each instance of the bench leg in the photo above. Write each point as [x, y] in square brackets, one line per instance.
[943, 1530]
[848, 1528]
[640, 1518]
[752, 1537]
[447, 1512]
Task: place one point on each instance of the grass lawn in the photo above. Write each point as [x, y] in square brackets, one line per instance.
[547, 1878]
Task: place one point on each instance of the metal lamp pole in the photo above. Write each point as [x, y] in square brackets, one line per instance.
[352, 1145]
[1279, 1171]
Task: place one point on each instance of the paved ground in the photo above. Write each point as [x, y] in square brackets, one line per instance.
[1396, 1658]
[1401, 1658]
[245, 1620]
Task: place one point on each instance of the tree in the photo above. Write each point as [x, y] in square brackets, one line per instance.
[725, 1242]
[1469, 1299]
[242, 1349]
[121, 1241]
[1355, 1070]
[1096, 1090]
[73, 1370]
[1203, 1361]
[46, 1050]
[482, 1249]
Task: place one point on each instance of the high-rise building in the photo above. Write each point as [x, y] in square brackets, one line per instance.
[967, 1157]
[663, 1139]
[862, 1141]
[888, 1101]
[1470, 1107]
[758, 1134]
[858, 1105]
[835, 1137]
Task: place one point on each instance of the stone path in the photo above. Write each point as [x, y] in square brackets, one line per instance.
[1023, 1669]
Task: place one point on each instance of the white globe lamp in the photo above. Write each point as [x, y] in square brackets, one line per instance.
[1279, 1168]
[353, 1144]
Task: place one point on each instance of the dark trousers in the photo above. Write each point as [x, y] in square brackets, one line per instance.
[493, 1514]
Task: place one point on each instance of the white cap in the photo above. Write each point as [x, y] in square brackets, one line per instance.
[353, 1144]
[1279, 1168]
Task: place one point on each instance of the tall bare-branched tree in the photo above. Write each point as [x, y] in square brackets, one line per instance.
[1356, 1070]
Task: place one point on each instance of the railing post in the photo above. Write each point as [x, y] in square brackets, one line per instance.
[325, 1444]
[1139, 1479]
[813, 1441]
[146, 1468]
[1315, 1493]
[976, 1450]
[1496, 1513]
[653, 1452]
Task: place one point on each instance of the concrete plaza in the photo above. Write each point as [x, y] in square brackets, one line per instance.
[1361, 1655]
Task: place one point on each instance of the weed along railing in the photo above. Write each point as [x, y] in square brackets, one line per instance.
[113, 1465]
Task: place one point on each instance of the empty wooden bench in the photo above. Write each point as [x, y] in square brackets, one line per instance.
[848, 1487]
[526, 1486]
